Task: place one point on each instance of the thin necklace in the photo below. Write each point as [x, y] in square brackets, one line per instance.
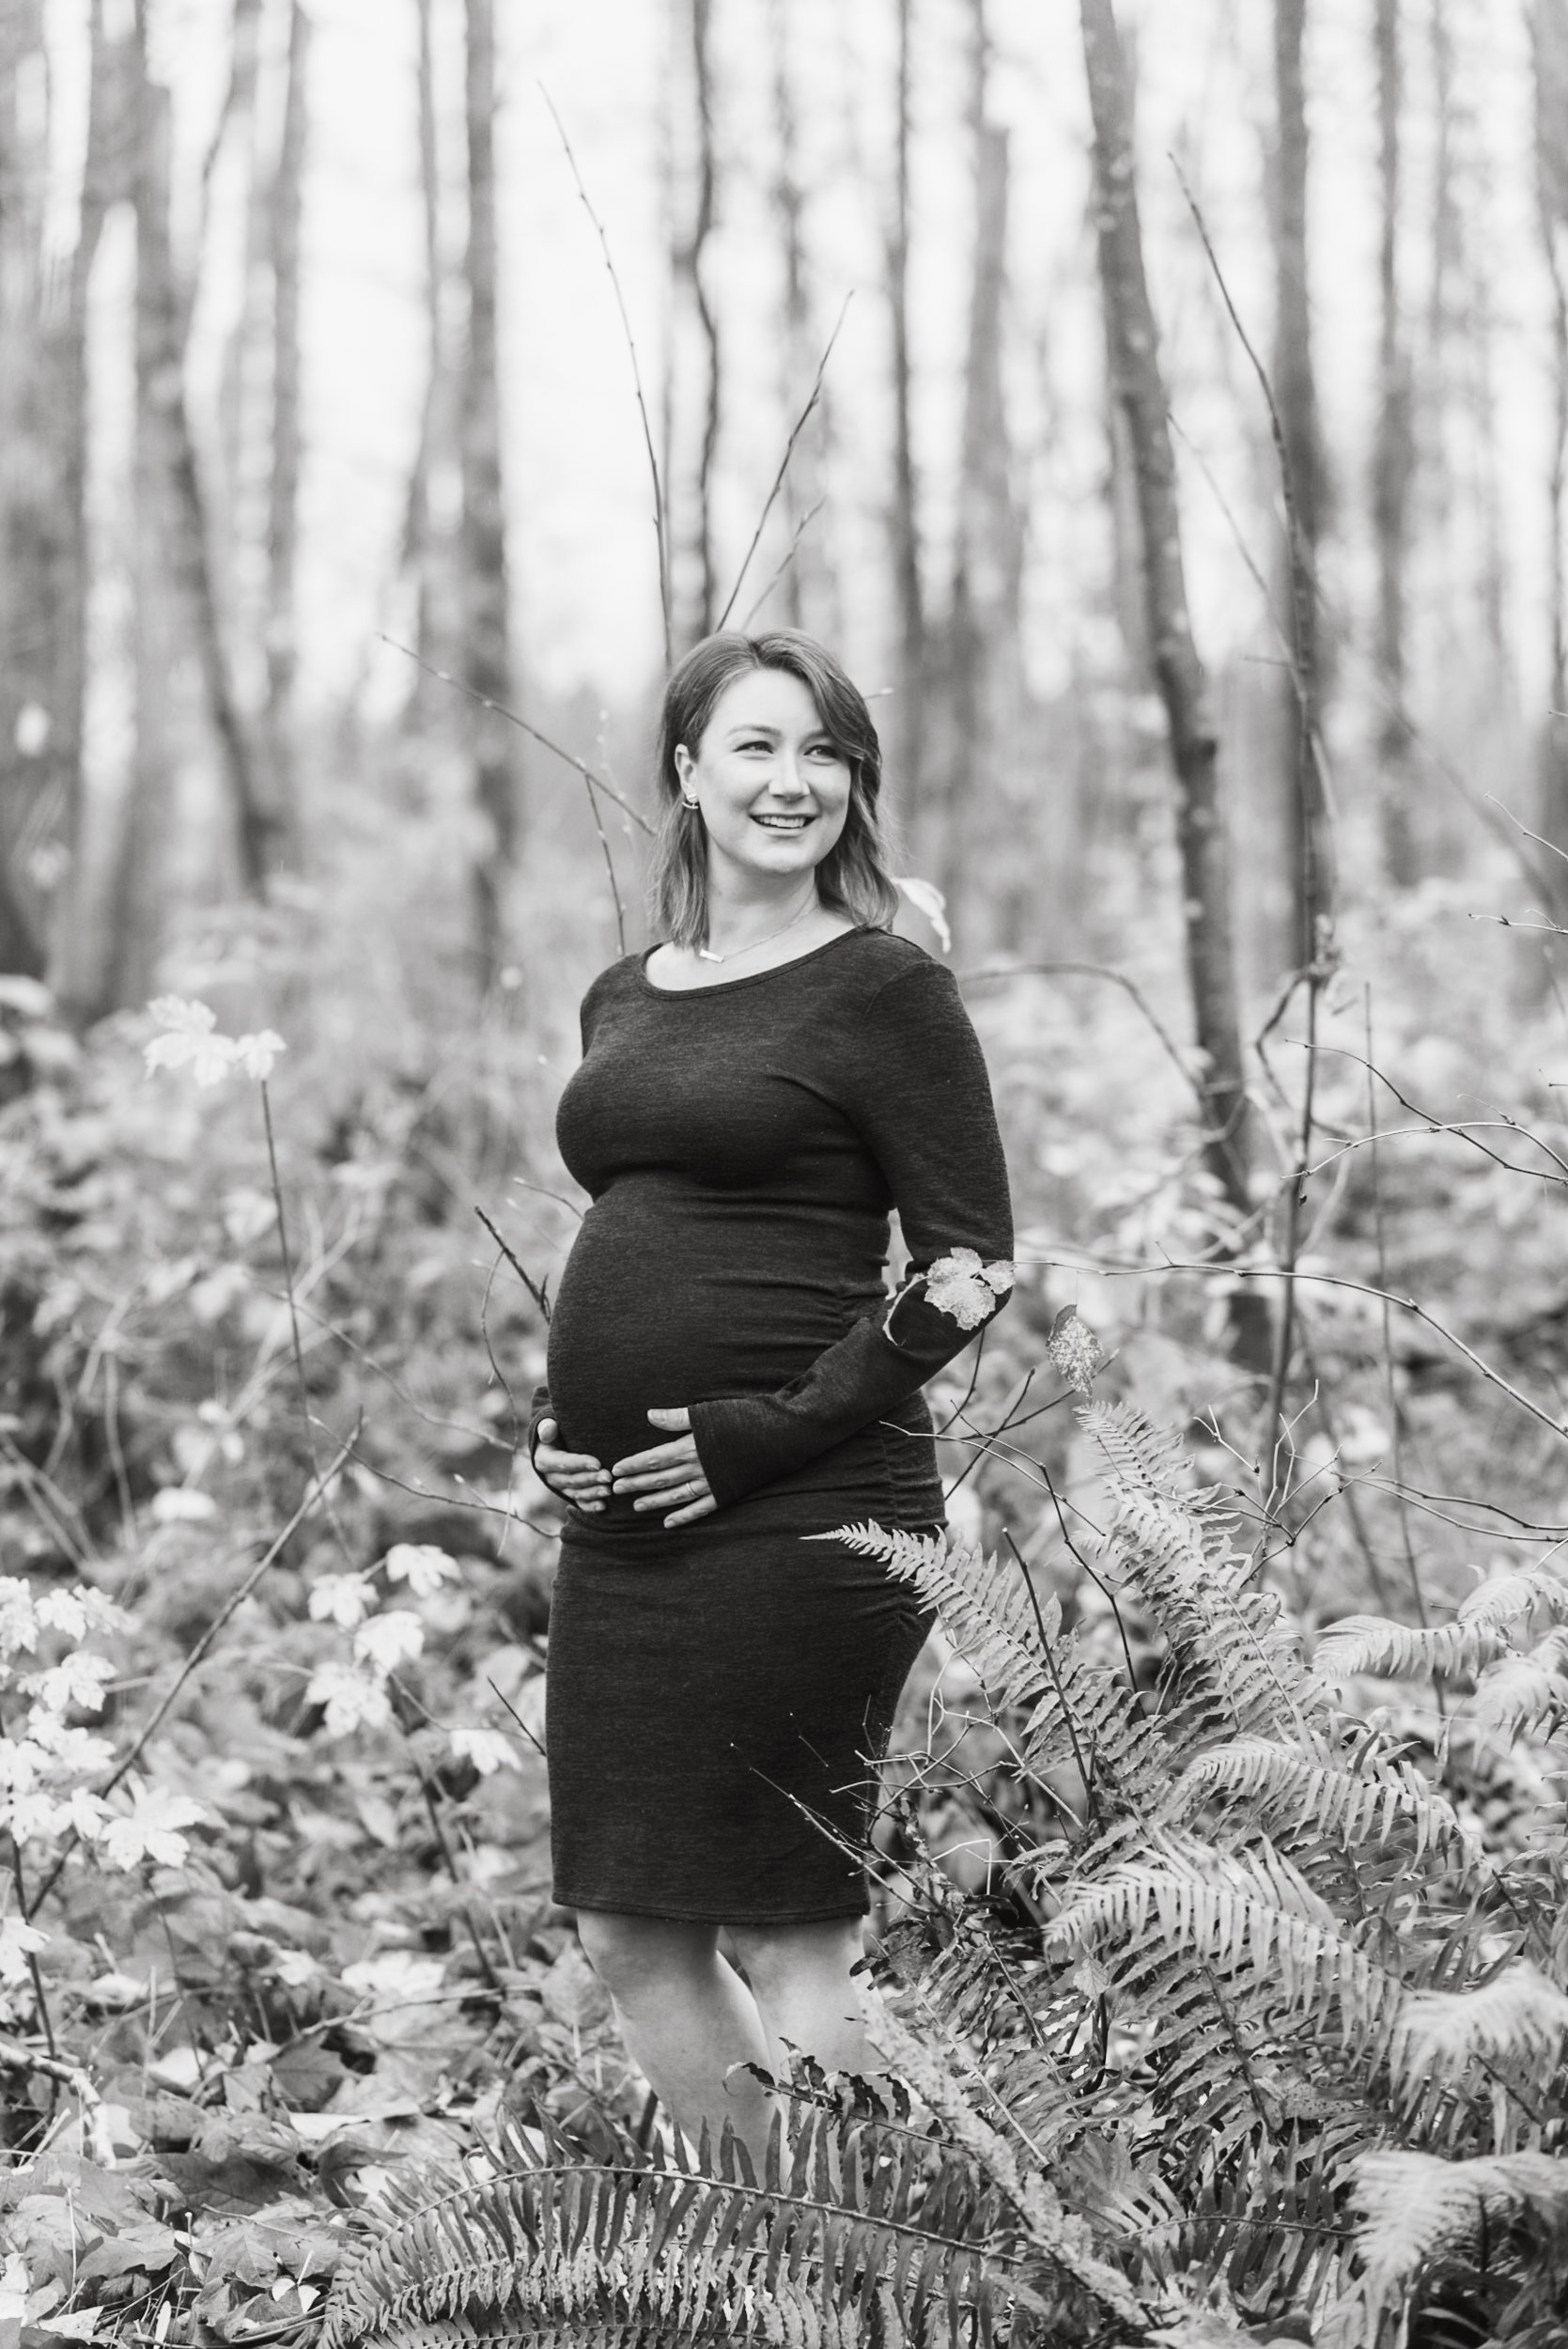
[750, 947]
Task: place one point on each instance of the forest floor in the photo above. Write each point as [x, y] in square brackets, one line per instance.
[332, 1952]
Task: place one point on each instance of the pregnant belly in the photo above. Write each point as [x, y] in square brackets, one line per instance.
[681, 1314]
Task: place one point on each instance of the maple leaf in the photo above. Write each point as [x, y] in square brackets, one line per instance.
[17, 1943]
[187, 1040]
[352, 1699]
[959, 1285]
[19, 1615]
[345, 1599]
[76, 1679]
[1075, 1349]
[390, 1639]
[151, 1831]
[421, 1566]
[254, 1055]
[33, 1817]
[487, 1749]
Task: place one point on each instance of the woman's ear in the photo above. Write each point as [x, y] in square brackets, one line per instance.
[684, 762]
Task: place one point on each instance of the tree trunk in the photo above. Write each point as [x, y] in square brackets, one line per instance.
[910, 705]
[29, 513]
[806, 590]
[286, 213]
[77, 965]
[486, 655]
[418, 550]
[1138, 385]
[1394, 467]
[1295, 395]
[696, 584]
[138, 906]
[1549, 50]
[984, 660]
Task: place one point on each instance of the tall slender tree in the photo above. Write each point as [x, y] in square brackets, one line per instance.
[699, 360]
[983, 662]
[287, 210]
[1137, 383]
[29, 517]
[1549, 50]
[486, 628]
[78, 929]
[806, 590]
[1393, 459]
[139, 900]
[911, 710]
[1296, 394]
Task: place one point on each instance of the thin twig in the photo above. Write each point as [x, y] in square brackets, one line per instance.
[320, 1484]
[1396, 1424]
[790, 553]
[535, 1291]
[799, 426]
[1092, 971]
[659, 525]
[1328, 1280]
[484, 701]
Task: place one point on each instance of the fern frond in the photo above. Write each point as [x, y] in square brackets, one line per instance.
[1521, 1692]
[1051, 2232]
[1077, 1705]
[1090, 1711]
[1419, 2209]
[1296, 1791]
[686, 2251]
[983, 1605]
[1139, 1453]
[1245, 1912]
[1236, 1657]
[1518, 2019]
[1479, 1633]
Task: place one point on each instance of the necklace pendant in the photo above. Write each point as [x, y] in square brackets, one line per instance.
[703, 956]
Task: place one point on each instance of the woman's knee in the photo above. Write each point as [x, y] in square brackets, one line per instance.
[633, 1954]
[771, 1954]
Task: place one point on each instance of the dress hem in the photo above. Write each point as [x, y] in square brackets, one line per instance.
[710, 1916]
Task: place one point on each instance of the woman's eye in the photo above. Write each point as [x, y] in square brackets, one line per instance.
[824, 751]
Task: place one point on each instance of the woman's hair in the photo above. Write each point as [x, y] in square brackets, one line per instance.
[853, 877]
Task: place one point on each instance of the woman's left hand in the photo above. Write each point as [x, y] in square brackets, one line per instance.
[670, 1471]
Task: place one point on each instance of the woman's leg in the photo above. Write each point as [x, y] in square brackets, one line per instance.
[800, 1980]
[686, 2016]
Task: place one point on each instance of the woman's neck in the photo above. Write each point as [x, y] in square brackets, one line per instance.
[735, 923]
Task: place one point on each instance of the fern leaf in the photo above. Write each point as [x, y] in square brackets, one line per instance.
[1236, 1657]
[1294, 1789]
[1242, 1912]
[1419, 2209]
[1139, 1453]
[1521, 1692]
[681, 2249]
[1479, 1633]
[1052, 2234]
[1518, 2019]
[985, 1611]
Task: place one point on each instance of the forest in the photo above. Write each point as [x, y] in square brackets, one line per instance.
[1163, 412]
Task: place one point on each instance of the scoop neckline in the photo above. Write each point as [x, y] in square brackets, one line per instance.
[749, 978]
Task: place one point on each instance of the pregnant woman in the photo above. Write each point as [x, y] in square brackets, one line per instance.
[727, 1375]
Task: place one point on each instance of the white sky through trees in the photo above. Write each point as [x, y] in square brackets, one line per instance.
[586, 605]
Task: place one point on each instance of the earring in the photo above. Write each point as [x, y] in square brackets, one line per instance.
[686, 803]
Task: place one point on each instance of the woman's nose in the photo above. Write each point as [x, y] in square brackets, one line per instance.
[788, 782]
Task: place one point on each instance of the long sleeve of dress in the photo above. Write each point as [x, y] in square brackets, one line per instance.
[915, 1084]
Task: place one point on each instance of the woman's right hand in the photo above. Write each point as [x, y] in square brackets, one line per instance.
[577, 1476]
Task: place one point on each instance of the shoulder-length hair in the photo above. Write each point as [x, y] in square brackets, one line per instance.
[853, 877]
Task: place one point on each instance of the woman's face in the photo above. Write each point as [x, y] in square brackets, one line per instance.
[773, 790]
